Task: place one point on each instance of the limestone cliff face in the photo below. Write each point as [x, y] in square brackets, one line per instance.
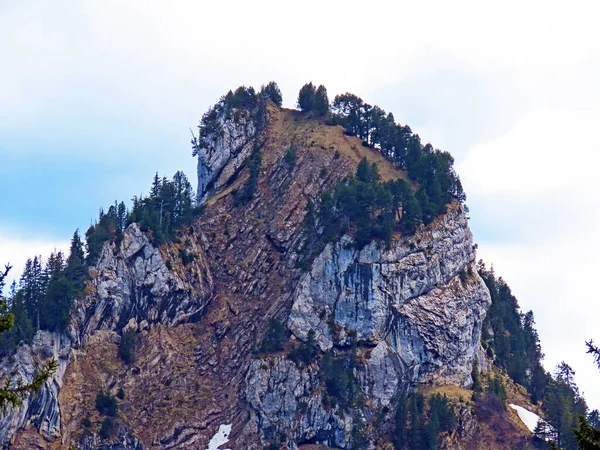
[41, 410]
[223, 150]
[415, 308]
[132, 288]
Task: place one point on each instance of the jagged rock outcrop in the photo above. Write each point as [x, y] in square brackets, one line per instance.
[363, 289]
[40, 410]
[288, 403]
[131, 288]
[224, 149]
[415, 308]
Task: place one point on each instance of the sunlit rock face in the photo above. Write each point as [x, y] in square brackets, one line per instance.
[415, 308]
[421, 298]
[222, 152]
[132, 288]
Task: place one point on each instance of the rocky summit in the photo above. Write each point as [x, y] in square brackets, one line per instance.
[250, 331]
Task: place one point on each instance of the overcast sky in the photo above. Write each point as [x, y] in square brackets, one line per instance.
[97, 96]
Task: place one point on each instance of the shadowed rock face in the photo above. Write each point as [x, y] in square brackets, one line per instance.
[415, 308]
[42, 409]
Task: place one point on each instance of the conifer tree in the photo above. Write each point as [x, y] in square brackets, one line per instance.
[271, 90]
[155, 189]
[594, 351]
[121, 216]
[75, 269]
[32, 283]
[320, 103]
[348, 110]
[587, 434]
[587, 437]
[411, 215]
[306, 97]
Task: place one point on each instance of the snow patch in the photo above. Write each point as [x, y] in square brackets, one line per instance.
[527, 417]
[221, 437]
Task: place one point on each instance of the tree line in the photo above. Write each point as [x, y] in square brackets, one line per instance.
[510, 337]
[168, 206]
[366, 206]
[512, 342]
[431, 169]
[435, 183]
[44, 296]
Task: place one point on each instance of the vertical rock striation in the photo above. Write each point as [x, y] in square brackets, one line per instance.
[416, 309]
[224, 149]
[131, 288]
[41, 410]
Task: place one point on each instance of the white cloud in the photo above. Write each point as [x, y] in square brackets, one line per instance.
[16, 249]
[540, 177]
[548, 151]
[159, 56]
[557, 280]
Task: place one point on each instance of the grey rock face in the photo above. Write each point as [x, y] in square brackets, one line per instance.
[124, 442]
[417, 309]
[222, 152]
[423, 296]
[286, 401]
[40, 410]
[133, 288]
[385, 375]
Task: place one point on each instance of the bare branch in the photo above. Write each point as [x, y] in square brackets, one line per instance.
[595, 351]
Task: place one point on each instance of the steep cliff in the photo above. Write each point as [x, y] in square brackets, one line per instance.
[222, 152]
[415, 310]
[410, 311]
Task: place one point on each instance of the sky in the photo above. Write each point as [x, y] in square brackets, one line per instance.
[95, 97]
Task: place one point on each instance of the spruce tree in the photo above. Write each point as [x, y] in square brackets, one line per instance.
[306, 97]
[320, 104]
[587, 437]
[587, 434]
[121, 216]
[411, 215]
[272, 92]
[76, 270]
[32, 282]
